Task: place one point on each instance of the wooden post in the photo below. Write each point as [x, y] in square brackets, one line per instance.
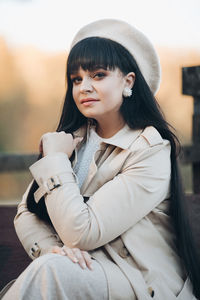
[191, 86]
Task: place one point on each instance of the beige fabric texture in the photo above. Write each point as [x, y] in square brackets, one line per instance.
[124, 223]
[54, 276]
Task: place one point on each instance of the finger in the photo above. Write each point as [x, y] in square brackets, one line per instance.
[58, 250]
[88, 259]
[45, 136]
[70, 254]
[76, 141]
[42, 140]
[80, 257]
[40, 147]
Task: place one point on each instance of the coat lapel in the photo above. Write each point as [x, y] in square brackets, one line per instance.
[108, 159]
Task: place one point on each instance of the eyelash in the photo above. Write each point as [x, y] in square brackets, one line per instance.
[101, 74]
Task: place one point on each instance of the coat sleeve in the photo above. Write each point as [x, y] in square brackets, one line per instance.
[115, 207]
[36, 236]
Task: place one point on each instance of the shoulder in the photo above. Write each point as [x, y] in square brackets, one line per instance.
[149, 146]
[152, 136]
[147, 139]
[149, 150]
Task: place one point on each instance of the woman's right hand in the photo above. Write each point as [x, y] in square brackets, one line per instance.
[53, 142]
[76, 255]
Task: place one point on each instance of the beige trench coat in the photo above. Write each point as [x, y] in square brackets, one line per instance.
[124, 224]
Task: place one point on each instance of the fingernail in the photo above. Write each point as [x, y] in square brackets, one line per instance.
[91, 267]
[62, 252]
[83, 266]
[75, 260]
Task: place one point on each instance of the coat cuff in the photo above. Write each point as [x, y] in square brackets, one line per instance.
[42, 247]
[50, 172]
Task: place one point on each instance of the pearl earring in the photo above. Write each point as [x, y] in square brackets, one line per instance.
[127, 92]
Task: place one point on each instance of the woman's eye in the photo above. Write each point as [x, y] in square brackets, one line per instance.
[76, 80]
[99, 75]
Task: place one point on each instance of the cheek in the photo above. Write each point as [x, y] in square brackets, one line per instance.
[114, 93]
[75, 95]
[110, 89]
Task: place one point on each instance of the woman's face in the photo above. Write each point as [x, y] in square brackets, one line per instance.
[98, 94]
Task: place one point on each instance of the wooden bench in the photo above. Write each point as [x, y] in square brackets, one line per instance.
[13, 258]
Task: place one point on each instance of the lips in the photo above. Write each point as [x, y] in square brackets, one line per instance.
[88, 100]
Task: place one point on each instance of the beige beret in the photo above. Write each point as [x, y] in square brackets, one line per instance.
[132, 39]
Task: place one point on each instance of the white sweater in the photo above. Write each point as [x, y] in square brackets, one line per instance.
[85, 155]
[86, 152]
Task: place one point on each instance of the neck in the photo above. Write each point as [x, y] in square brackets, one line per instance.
[107, 128]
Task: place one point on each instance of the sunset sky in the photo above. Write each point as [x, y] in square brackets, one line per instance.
[51, 24]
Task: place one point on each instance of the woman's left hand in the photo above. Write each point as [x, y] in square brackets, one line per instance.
[76, 255]
[53, 142]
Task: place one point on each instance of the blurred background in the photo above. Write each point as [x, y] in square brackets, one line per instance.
[35, 37]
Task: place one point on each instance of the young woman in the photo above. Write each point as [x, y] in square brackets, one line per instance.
[104, 216]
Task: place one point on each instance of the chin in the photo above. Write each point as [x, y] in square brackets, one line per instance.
[89, 115]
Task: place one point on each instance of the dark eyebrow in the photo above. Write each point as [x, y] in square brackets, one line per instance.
[99, 67]
[73, 73]
[94, 68]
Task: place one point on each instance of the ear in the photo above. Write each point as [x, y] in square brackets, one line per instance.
[130, 79]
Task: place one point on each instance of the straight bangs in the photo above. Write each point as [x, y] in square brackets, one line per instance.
[93, 53]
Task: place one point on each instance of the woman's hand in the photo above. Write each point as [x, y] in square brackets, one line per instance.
[76, 255]
[53, 142]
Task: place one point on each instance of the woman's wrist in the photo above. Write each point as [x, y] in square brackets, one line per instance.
[52, 153]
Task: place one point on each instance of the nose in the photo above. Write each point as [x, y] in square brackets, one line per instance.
[86, 85]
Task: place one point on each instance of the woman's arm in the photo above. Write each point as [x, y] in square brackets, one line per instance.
[37, 236]
[30, 230]
[115, 207]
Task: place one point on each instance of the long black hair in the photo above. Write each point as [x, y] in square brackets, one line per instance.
[90, 54]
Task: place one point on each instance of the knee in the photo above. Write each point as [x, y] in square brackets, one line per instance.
[46, 260]
[55, 266]
[43, 261]
[46, 267]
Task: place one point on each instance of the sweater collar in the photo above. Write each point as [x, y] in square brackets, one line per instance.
[122, 139]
